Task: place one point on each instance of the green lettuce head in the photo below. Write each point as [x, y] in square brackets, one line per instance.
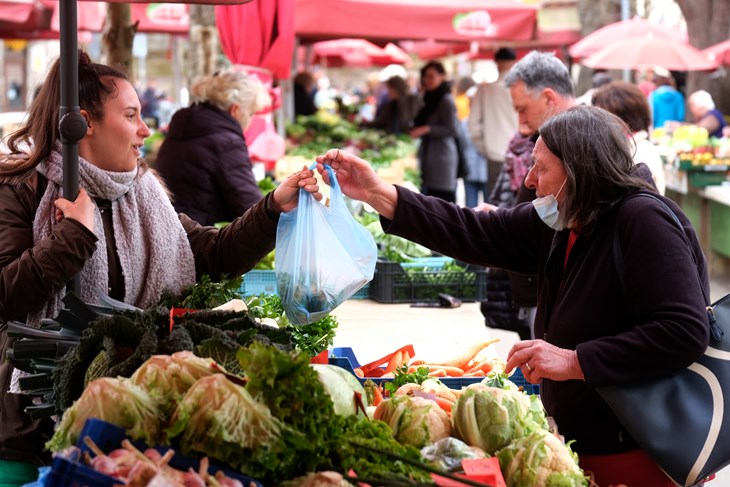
[491, 418]
[540, 459]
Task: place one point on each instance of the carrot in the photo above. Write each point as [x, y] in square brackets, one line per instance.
[485, 367]
[406, 358]
[449, 370]
[377, 395]
[476, 373]
[359, 372]
[376, 372]
[394, 362]
[382, 360]
[418, 362]
[463, 359]
[437, 373]
[444, 404]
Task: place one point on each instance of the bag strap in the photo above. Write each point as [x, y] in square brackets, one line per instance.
[618, 260]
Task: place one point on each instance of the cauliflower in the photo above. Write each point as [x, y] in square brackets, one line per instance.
[540, 460]
[415, 421]
[491, 418]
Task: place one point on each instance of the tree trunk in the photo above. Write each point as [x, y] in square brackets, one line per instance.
[707, 24]
[594, 15]
[118, 37]
[202, 56]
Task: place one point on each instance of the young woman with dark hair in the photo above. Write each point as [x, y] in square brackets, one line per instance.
[121, 233]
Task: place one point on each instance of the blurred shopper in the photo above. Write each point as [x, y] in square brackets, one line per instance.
[704, 114]
[492, 119]
[462, 96]
[599, 78]
[204, 158]
[667, 103]
[437, 126]
[398, 112]
[627, 101]
[304, 90]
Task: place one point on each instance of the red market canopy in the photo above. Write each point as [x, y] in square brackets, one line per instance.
[382, 20]
[161, 18]
[625, 29]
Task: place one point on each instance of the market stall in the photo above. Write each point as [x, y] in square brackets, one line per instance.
[696, 169]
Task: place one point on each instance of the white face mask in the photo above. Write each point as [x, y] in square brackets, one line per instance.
[547, 210]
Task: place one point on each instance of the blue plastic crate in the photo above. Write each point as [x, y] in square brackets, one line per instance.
[345, 357]
[70, 473]
[257, 282]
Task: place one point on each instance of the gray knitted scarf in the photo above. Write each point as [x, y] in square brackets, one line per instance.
[153, 248]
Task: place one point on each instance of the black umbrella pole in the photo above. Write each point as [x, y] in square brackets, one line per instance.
[72, 126]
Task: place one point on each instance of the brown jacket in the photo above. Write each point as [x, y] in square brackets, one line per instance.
[31, 274]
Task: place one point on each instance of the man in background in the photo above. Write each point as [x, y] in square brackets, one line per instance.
[540, 86]
[492, 121]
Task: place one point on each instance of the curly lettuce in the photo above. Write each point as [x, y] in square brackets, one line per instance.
[219, 418]
[117, 401]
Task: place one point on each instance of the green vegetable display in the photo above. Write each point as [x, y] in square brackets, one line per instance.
[311, 339]
[291, 389]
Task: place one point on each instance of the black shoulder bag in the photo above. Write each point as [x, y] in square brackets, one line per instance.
[682, 421]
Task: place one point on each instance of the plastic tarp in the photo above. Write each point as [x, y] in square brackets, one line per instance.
[259, 34]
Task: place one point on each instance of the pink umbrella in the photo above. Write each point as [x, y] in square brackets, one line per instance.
[625, 29]
[648, 52]
[719, 52]
[356, 53]
[396, 55]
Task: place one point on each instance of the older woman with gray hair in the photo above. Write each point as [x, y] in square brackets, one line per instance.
[204, 158]
[704, 114]
[593, 331]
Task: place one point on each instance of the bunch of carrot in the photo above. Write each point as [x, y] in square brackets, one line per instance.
[472, 363]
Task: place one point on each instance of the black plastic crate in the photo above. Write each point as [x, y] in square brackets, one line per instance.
[394, 283]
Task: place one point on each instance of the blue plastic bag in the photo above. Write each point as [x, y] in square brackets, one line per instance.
[323, 255]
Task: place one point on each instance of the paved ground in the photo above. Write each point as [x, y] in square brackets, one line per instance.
[374, 330]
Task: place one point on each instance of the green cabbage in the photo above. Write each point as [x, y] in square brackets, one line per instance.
[415, 421]
[220, 419]
[167, 378]
[540, 460]
[117, 401]
[491, 418]
[342, 387]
